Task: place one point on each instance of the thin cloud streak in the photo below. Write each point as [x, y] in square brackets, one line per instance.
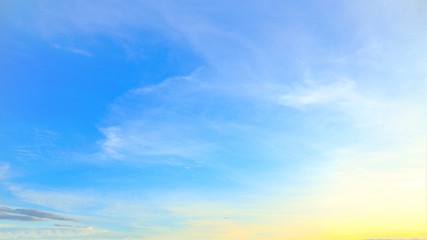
[27, 214]
[6, 216]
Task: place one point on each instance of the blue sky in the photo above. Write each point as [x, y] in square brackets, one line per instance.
[212, 119]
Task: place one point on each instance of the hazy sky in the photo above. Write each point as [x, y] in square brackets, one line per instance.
[190, 120]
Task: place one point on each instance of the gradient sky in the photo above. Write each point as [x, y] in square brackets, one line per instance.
[189, 120]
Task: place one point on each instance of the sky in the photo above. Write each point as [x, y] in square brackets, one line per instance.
[189, 120]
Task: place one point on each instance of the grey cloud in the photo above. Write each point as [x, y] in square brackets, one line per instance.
[27, 214]
[6, 216]
[70, 226]
[62, 225]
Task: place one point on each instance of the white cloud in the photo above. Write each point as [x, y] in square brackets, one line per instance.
[141, 141]
[74, 50]
[60, 200]
[47, 233]
[4, 170]
[336, 93]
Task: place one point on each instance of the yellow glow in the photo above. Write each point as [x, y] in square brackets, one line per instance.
[354, 201]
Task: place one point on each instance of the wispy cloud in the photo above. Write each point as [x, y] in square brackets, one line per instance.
[147, 133]
[28, 214]
[71, 226]
[74, 50]
[62, 200]
[42, 145]
[4, 169]
[336, 93]
[24, 218]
